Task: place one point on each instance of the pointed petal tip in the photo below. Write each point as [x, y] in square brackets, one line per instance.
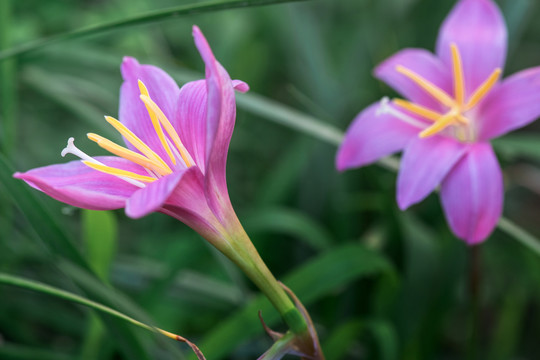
[18, 175]
[128, 67]
[240, 86]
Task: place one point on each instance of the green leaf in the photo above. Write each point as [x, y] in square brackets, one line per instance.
[514, 145]
[290, 222]
[100, 236]
[147, 17]
[99, 230]
[50, 290]
[317, 278]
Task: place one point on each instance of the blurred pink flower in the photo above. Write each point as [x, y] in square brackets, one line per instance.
[455, 106]
[177, 141]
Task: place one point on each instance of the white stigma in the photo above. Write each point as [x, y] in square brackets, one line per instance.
[72, 149]
[385, 108]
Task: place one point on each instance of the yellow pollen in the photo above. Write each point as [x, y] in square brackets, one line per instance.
[459, 84]
[128, 154]
[169, 128]
[430, 88]
[483, 89]
[135, 141]
[155, 122]
[457, 106]
[417, 109]
[439, 125]
[118, 172]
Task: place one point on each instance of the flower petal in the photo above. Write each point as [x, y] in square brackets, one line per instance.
[478, 29]
[220, 119]
[372, 136]
[162, 90]
[513, 104]
[472, 194]
[424, 164]
[78, 185]
[424, 64]
[191, 112]
[191, 120]
[153, 196]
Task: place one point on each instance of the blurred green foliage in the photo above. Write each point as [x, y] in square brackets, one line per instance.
[379, 283]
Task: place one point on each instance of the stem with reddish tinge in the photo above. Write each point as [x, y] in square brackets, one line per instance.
[245, 256]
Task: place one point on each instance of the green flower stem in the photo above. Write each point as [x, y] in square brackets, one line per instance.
[242, 252]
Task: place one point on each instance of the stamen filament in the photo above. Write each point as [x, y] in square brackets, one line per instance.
[483, 89]
[439, 125]
[459, 84]
[118, 172]
[128, 154]
[72, 149]
[429, 87]
[170, 130]
[135, 141]
[417, 109]
[155, 122]
[385, 108]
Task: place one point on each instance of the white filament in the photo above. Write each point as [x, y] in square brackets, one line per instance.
[72, 149]
[385, 108]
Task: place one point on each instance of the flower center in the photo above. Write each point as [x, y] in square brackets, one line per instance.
[146, 157]
[458, 107]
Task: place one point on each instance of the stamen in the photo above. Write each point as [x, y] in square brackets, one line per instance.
[459, 84]
[417, 109]
[169, 128]
[483, 89]
[385, 108]
[72, 149]
[155, 122]
[128, 154]
[439, 125]
[135, 141]
[429, 87]
[118, 172]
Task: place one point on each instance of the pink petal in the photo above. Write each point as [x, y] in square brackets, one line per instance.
[162, 90]
[191, 113]
[472, 194]
[153, 196]
[78, 185]
[221, 115]
[191, 120]
[424, 164]
[372, 136]
[513, 104]
[478, 29]
[424, 64]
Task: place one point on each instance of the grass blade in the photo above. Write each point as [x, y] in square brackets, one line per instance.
[148, 17]
[47, 289]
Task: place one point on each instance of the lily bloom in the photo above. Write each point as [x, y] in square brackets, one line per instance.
[175, 155]
[455, 104]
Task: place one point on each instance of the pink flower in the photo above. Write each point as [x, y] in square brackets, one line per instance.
[455, 105]
[175, 155]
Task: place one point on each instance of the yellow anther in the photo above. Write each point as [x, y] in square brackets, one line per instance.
[169, 128]
[128, 154]
[118, 172]
[429, 87]
[417, 109]
[459, 84]
[155, 122]
[135, 141]
[439, 125]
[483, 89]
